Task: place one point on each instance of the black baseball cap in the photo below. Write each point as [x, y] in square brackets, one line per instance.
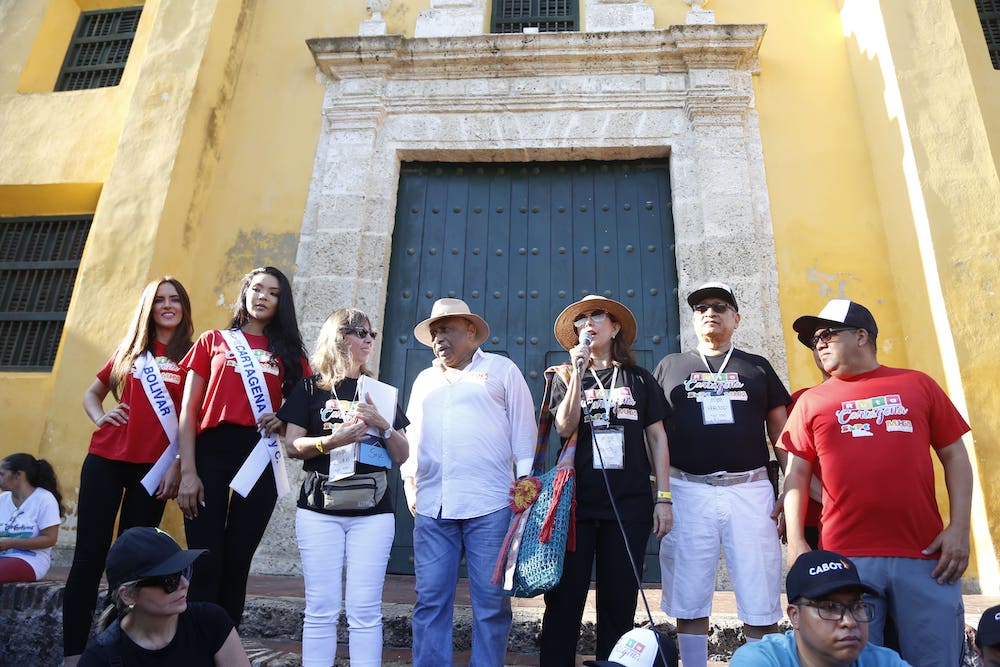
[719, 290]
[146, 552]
[817, 573]
[836, 313]
[988, 633]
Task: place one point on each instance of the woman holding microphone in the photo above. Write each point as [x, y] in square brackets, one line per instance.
[621, 439]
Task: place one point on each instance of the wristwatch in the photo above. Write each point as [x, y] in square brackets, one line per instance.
[388, 433]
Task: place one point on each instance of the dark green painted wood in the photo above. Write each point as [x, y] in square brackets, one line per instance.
[520, 242]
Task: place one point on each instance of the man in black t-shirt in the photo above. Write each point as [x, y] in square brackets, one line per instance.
[720, 401]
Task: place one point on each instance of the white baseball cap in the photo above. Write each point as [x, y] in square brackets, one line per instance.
[639, 648]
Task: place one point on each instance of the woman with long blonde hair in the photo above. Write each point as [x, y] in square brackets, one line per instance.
[346, 523]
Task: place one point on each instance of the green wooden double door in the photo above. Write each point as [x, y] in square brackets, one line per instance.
[518, 243]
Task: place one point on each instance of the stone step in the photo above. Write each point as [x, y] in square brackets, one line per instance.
[31, 615]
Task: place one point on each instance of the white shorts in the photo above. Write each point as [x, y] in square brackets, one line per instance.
[738, 517]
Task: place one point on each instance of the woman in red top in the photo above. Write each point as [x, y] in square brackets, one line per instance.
[128, 440]
[218, 431]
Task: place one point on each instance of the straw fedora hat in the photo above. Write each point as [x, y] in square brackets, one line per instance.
[451, 308]
[566, 333]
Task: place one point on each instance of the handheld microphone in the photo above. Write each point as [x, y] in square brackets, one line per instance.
[586, 338]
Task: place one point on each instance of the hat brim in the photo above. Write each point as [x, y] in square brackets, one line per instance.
[806, 326]
[699, 295]
[566, 334]
[826, 590]
[176, 563]
[422, 331]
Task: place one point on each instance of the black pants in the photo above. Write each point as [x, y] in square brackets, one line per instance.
[229, 525]
[600, 542]
[105, 485]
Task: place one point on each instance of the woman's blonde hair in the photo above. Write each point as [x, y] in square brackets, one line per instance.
[332, 358]
[116, 609]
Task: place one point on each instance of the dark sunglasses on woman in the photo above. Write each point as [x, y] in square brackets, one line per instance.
[168, 582]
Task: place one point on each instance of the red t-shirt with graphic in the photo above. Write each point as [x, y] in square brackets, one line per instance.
[813, 509]
[225, 398]
[141, 439]
[873, 433]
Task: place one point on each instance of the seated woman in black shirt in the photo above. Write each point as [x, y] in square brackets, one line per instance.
[150, 622]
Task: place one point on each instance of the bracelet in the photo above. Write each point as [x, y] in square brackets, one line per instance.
[664, 501]
[664, 494]
[319, 446]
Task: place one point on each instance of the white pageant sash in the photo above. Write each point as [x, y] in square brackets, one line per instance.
[268, 449]
[147, 372]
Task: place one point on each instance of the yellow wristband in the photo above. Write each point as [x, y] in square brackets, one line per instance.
[319, 446]
[664, 494]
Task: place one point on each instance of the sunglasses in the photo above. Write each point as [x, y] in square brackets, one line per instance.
[168, 582]
[719, 307]
[360, 332]
[596, 316]
[827, 335]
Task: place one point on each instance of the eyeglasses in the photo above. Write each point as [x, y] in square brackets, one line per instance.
[829, 610]
[718, 307]
[827, 335]
[360, 332]
[168, 582]
[596, 316]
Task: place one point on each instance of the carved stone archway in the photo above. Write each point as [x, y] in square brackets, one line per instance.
[685, 92]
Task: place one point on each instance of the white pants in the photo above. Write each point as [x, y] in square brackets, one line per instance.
[326, 544]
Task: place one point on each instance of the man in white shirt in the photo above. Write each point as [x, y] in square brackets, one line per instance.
[471, 424]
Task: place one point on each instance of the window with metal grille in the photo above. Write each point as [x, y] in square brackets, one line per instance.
[989, 16]
[39, 258]
[546, 15]
[97, 54]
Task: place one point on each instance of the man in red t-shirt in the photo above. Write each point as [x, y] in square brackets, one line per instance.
[872, 428]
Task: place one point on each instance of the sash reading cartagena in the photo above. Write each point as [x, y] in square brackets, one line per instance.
[252, 380]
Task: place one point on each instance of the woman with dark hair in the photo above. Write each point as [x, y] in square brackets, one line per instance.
[228, 426]
[351, 526]
[149, 621]
[146, 381]
[30, 513]
[621, 441]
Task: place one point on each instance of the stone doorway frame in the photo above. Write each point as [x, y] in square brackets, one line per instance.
[685, 93]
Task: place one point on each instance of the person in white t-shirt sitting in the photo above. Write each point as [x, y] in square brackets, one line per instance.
[30, 514]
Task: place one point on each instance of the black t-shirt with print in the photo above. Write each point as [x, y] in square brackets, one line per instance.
[753, 389]
[317, 411]
[636, 402]
[202, 629]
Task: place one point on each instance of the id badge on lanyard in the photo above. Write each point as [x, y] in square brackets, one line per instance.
[716, 407]
[609, 447]
[716, 410]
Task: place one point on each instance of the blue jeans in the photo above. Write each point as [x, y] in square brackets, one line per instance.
[438, 545]
[930, 617]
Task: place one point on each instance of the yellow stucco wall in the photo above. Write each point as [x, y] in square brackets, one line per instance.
[202, 159]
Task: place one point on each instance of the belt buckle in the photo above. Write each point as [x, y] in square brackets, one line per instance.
[715, 480]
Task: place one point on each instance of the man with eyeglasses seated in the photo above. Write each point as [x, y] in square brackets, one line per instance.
[872, 429]
[829, 618]
[723, 404]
